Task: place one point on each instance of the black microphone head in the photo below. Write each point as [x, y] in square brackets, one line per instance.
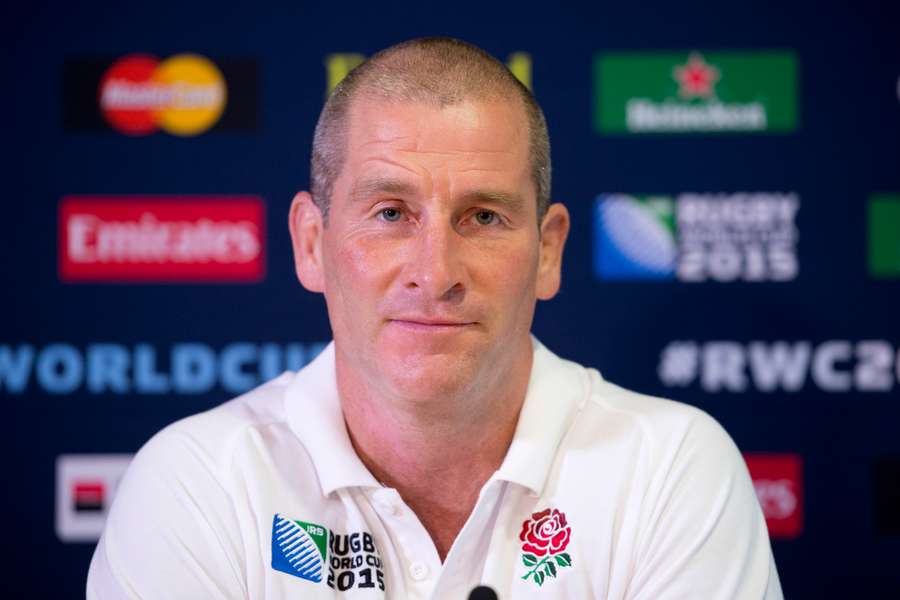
[482, 592]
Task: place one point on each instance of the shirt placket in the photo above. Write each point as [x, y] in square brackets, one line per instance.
[420, 565]
[463, 568]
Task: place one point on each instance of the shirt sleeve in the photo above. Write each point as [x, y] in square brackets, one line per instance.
[172, 530]
[704, 535]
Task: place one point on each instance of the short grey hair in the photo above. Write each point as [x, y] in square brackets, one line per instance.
[439, 70]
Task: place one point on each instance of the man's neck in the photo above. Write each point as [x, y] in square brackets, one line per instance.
[437, 456]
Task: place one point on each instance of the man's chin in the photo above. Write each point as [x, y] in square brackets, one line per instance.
[422, 375]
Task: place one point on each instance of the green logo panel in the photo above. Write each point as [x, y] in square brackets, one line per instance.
[884, 235]
[693, 92]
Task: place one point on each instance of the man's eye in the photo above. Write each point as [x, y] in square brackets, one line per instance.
[486, 217]
[391, 214]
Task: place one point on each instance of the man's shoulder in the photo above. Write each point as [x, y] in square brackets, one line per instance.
[214, 433]
[179, 500]
[655, 421]
[646, 409]
[663, 440]
[674, 475]
[260, 406]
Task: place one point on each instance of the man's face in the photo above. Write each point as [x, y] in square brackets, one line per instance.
[430, 259]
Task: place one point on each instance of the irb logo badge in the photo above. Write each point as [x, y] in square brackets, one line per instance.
[299, 548]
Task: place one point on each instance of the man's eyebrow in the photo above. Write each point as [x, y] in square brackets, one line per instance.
[507, 199]
[380, 185]
[365, 188]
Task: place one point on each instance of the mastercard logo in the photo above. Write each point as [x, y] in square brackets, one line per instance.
[184, 95]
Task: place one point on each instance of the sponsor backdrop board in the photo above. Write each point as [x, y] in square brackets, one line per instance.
[733, 173]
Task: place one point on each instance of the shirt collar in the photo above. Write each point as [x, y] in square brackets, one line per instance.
[556, 391]
[554, 394]
[315, 416]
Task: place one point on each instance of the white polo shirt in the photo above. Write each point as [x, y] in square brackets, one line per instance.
[604, 493]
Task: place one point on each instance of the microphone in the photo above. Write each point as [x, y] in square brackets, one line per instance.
[482, 592]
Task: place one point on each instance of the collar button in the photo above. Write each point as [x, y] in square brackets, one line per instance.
[418, 570]
[387, 507]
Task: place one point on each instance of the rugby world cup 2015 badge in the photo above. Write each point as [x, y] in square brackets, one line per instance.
[299, 548]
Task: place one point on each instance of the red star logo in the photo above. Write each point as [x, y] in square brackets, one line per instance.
[695, 78]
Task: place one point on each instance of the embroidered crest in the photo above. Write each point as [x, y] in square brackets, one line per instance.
[545, 537]
[299, 548]
[312, 552]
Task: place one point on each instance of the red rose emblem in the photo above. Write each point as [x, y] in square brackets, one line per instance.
[545, 533]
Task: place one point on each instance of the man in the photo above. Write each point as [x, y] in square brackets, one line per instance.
[435, 445]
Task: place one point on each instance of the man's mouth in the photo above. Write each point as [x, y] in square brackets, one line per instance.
[431, 324]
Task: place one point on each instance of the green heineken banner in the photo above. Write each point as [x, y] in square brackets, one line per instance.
[695, 92]
[884, 236]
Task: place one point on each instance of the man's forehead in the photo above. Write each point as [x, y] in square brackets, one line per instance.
[492, 124]
[395, 146]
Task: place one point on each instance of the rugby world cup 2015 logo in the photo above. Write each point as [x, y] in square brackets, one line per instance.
[636, 237]
[545, 537]
[299, 548]
[696, 237]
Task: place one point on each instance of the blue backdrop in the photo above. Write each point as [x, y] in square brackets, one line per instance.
[803, 362]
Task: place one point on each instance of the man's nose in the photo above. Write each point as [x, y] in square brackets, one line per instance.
[437, 264]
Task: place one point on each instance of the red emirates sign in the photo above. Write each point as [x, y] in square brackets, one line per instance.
[778, 479]
[203, 239]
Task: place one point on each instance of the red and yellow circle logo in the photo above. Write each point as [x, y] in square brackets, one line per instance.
[184, 95]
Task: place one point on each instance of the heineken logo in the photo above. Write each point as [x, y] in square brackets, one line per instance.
[695, 78]
[310, 551]
[695, 92]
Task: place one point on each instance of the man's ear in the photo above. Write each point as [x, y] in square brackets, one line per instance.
[306, 225]
[554, 231]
